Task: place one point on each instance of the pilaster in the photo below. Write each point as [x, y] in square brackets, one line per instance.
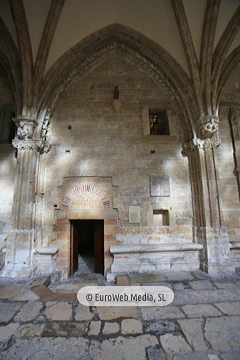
[208, 229]
[21, 239]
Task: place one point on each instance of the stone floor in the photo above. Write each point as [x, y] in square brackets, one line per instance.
[41, 321]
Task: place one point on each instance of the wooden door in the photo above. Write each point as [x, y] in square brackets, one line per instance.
[99, 246]
[73, 248]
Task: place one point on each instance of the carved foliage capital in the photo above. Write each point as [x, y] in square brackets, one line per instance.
[196, 144]
[29, 144]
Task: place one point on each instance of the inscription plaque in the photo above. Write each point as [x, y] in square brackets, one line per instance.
[159, 185]
[134, 214]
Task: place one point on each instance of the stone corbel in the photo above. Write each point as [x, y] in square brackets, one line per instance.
[208, 125]
[25, 127]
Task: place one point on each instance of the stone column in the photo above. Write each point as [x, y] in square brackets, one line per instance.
[21, 240]
[208, 229]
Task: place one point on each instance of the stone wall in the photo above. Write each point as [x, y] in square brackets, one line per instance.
[94, 145]
[7, 172]
[227, 167]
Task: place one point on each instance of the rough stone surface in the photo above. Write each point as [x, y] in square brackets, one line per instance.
[65, 328]
[7, 331]
[131, 326]
[200, 310]
[180, 286]
[58, 311]
[29, 311]
[30, 330]
[201, 285]
[164, 312]
[174, 344]
[229, 308]
[110, 328]
[48, 348]
[161, 327]
[154, 353]
[108, 313]
[8, 310]
[224, 285]
[223, 333]
[83, 313]
[94, 328]
[206, 296]
[122, 348]
[25, 295]
[193, 330]
[7, 292]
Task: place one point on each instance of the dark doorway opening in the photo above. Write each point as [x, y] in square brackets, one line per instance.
[87, 246]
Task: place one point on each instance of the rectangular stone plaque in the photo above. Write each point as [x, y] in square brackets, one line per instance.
[134, 214]
[159, 186]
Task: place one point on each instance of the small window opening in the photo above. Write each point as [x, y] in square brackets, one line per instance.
[158, 121]
[161, 217]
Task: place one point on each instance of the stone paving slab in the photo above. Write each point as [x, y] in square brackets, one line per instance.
[123, 348]
[193, 330]
[163, 312]
[58, 311]
[48, 348]
[174, 343]
[7, 331]
[223, 333]
[229, 308]
[161, 327]
[65, 328]
[82, 313]
[201, 310]
[25, 295]
[205, 296]
[201, 285]
[7, 292]
[9, 309]
[29, 311]
[201, 324]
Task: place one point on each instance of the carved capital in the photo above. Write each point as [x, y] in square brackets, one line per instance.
[28, 144]
[25, 127]
[196, 144]
[208, 125]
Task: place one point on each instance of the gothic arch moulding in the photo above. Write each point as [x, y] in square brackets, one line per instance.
[118, 40]
[86, 188]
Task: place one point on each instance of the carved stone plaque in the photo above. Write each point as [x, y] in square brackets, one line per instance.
[134, 214]
[159, 186]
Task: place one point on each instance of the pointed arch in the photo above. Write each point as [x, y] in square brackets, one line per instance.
[230, 67]
[136, 48]
[25, 49]
[11, 64]
[221, 51]
[45, 44]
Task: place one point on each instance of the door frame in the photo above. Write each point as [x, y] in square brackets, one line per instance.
[98, 246]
